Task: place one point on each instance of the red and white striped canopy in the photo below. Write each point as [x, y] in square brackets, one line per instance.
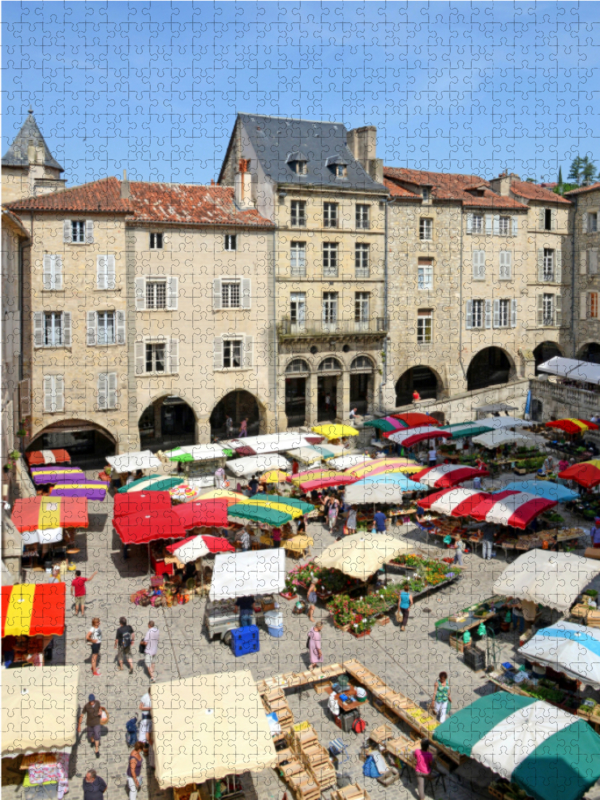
[197, 546]
[455, 502]
[412, 436]
[516, 509]
[448, 475]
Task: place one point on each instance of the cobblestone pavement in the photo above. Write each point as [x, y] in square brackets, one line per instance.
[408, 662]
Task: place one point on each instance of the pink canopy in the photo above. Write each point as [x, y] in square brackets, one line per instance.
[513, 508]
[447, 475]
[323, 483]
[455, 502]
[412, 436]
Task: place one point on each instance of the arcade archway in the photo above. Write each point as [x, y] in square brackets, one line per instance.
[590, 352]
[544, 352]
[490, 367]
[238, 405]
[421, 379]
[167, 423]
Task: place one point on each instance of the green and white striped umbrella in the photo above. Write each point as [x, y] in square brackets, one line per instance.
[551, 754]
[152, 483]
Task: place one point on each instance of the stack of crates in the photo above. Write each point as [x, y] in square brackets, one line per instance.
[245, 640]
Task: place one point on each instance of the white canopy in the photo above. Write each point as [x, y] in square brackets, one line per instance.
[502, 436]
[308, 454]
[249, 573]
[250, 465]
[130, 462]
[380, 493]
[43, 535]
[504, 422]
[344, 462]
[568, 648]
[362, 554]
[573, 369]
[209, 726]
[552, 579]
[270, 442]
[198, 452]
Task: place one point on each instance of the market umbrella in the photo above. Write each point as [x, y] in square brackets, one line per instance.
[307, 455]
[198, 546]
[218, 494]
[341, 479]
[360, 555]
[572, 425]
[569, 648]
[382, 489]
[41, 513]
[293, 502]
[138, 502]
[47, 457]
[412, 436]
[44, 475]
[90, 490]
[549, 753]
[586, 474]
[378, 466]
[547, 489]
[463, 429]
[516, 509]
[33, 609]
[143, 528]
[274, 476]
[277, 505]
[199, 452]
[497, 438]
[151, 483]
[353, 460]
[334, 431]
[313, 475]
[454, 502]
[212, 513]
[448, 475]
[385, 424]
[184, 493]
[258, 513]
[415, 419]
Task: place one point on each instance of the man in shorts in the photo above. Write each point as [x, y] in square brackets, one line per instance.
[93, 714]
[78, 590]
[151, 640]
[124, 640]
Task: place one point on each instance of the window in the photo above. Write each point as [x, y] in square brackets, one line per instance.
[330, 215]
[426, 195]
[230, 241]
[52, 273]
[107, 391]
[156, 294]
[424, 327]
[363, 217]
[232, 354]
[548, 310]
[339, 170]
[231, 294]
[156, 357]
[505, 265]
[592, 304]
[105, 272]
[297, 365]
[425, 274]
[77, 231]
[478, 265]
[300, 167]
[298, 310]
[425, 229]
[298, 214]
[298, 259]
[361, 310]
[330, 365]
[53, 329]
[106, 327]
[548, 274]
[330, 300]
[477, 224]
[547, 219]
[330, 259]
[478, 313]
[361, 260]
[504, 226]
[156, 241]
[54, 394]
[592, 222]
[501, 313]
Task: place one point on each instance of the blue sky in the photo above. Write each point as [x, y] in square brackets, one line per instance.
[154, 87]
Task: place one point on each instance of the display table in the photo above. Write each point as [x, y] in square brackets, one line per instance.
[471, 621]
[221, 616]
[347, 705]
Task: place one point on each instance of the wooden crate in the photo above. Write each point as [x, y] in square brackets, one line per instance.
[322, 687]
[352, 792]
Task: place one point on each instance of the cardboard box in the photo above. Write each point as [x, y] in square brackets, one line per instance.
[592, 552]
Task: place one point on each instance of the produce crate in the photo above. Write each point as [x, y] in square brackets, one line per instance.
[474, 658]
[245, 640]
[457, 643]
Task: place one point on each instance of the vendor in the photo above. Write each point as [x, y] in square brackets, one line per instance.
[246, 609]
[190, 571]
[487, 543]
[595, 532]
[301, 525]
[245, 540]
[334, 706]
[276, 536]
[253, 485]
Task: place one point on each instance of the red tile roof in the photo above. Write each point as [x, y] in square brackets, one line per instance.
[12, 218]
[174, 203]
[531, 191]
[594, 187]
[448, 186]
[398, 191]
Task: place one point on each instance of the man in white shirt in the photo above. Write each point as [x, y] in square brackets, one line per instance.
[245, 539]
[151, 640]
[145, 729]
[432, 457]
[333, 705]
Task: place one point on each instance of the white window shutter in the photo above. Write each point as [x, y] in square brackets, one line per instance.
[539, 310]
[59, 392]
[112, 390]
[48, 272]
[172, 293]
[38, 329]
[513, 313]
[58, 273]
[111, 272]
[558, 310]
[488, 313]
[48, 394]
[488, 224]
[248, 353]
[540, 265]
[554, 219]
[496, 313]
[102, 272]
[584, 224]
[469, 223]
[25, 398]
[67, 231]
[121, 331]
[515, 226]
[140, 358]
[67, 329]
[496, 224]
[246, 297]
[218, 353]
[92, 329]
[89, 231]
[469, 314]
[173, 352]
[558, 266]
[102, 391]
[217, 296]
[583, 305]
[542, 219]
[583, 260]
[593, 261]
[140, 294]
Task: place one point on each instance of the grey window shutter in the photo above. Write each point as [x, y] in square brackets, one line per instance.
[246, 296]
[593, 261]
[584, 223]
[218, 352]
[558, 267]
[111, 272]
[515, 226]
[513, 313]
[140, 358]
[469, 223]
[48, 272]
[102, 272]
[583, 305]
[59, 392]
[488, 313]
[540, 310]
[25, 398]
[140, 294]
[102, 391]
[173, 348]
[89, 231]
[67, 231]
[217, 296]
[67, 329]
[554, 219]
[469, 314]
[496, 313]
[112, 390]
[172, 293]
[58, 272]
[248, 353]
[558, 310]
[542, 219]
[121, 332]
[48, 394]
[92, 329]
[583, 262]
[488, 224]
[540, 265]
[496, 224]
[38, 329]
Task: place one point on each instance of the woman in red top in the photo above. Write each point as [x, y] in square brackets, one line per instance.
[416, 396]
[423, 760]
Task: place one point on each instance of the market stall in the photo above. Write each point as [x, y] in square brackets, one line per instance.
[39, 727]
[32, 614]
[547, 489]
[386, 489]
[152, 526]
[503, 436]
[151, 483]
[572, 426]
[413, 436]
[385, 424]
[381, 466]
[567, 648]
[44, 520]
[333, 432]
[209, 513]
[253, 465]
[448, 475]
[43, 457]
[140, 502]
[199, 462]
[132, 462]
[361, 555]
[512, 508]
[351, 460]
[455, 502]
[89, 489]
[43, 476]
[416, 419]
[586, 473]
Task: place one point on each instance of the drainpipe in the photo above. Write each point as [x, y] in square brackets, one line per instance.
[22, 246]
[460, 296]
[275, 394]
[385, 309]
[573, 273]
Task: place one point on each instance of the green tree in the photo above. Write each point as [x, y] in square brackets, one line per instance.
[576, 170]
[560, 179]
[589, 171]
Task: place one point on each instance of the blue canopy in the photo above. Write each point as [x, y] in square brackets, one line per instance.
[547, 489]
[396, 479]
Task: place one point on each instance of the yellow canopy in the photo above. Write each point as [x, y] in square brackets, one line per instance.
[315, 475]
[381, 466]
[209, 726]
[362, 554]
[333, 431]
[274, 504]
[215, 494]
[274, 476]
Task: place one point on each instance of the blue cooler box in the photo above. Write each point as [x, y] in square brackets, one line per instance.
[245, 640]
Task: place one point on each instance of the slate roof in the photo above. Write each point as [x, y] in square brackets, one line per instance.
[174, 203]
[531, 191]
[16, 155]
[274, 138]
[592, 188]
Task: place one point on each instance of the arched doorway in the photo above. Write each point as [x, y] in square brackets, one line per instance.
[86, 442]
[421, 379]
[238, 405]
[590, 352]
[330, 369]
[544, 352]
[169, 422]
[296, 375]
[490, 367]
[361, 384]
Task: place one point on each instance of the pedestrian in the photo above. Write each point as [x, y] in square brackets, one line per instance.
[93, 786]
[94, 638]
[460, 549]
[518, 619]
[145, 728]
[124, 639]
[276, 536]
[416, 396]
[253, 485]
[380, 521]
[245, 540]
[244, 429]
[295, 467]
[332, 513]
[353, 413]
[219, 478]
[351, 521]
[78, 590]
[245, 605]
[487, 543]
[92, 711]
[134, 769]
[312, 599]
[229, 427]
[327, 401]
[432, 456]
[301, 525]
[423, 760]
[595, 532]
[314, 645]
[441, 697]
[130, 478]
[150, 639]
[477, 483]
[405, 601]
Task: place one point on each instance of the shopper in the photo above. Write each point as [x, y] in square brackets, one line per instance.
[432, 456]
[332, 513]
[229, 427]
[94, 638]
[314, 646]
[416, 396]
[276, 536]
[253, 485]
[93, 786]
[380, 521]
[124, 640]
[312, 599]
[92, 711]
[441, 697]
[295, 467]
[405, 601]
[245, 606]
[595, 532]
[487, 543]
[145, 728]
[245, 540]
[219, 478]
[423, 761]
[134, 769]
[151, 641]
[244, 429]
[460, 549]
[78, 590]
[351, 521]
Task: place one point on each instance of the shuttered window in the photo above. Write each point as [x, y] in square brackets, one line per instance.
[107, 391]
[54, 394]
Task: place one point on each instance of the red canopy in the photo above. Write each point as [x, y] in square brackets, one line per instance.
[458, 502]
[211, 512]
[216, 544]
[141, 528]
[586, 473]
[415, 419]
[447, 475]
[138, 502]
[323, 483]
[33, 609]
[35, 513]
[513, 508]
[39, 457]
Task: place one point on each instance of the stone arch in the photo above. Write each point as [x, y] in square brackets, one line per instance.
[544, 352]
[362, 384]
[238, 404]
[422, 378]
[297, 366]
[491, 366]
[589, 351]
[330, 364]
[80, 438]
[168, 421]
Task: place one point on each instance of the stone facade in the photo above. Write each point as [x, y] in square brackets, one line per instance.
[586, 275]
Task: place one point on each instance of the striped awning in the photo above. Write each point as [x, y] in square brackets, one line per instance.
[33, 609]
[447, 475]
[41, 513]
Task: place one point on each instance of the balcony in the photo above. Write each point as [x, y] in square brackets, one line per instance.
[317, 328]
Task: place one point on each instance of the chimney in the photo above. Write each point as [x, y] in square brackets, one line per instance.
[362, 143]
[501, 184]
[242, 184]
[125, 186]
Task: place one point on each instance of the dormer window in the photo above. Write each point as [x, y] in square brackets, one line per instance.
[338, 166]
[298, 163]
[340, 170]
[426, 194]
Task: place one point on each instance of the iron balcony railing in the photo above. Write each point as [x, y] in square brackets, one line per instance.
[320, 327]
